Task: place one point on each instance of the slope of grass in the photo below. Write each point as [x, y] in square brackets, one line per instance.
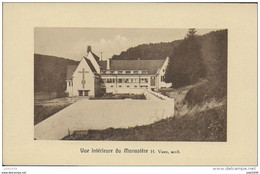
[42, 112]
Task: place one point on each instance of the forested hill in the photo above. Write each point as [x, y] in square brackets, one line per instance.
[158, 50]
[50, 73]
[152, 51]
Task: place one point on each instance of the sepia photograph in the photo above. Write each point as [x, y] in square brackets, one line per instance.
[130, 84]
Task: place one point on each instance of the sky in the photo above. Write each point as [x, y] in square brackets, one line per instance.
[72, 43]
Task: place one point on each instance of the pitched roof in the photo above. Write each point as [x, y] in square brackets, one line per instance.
[70, 71]
[90, 65]
[151, 66]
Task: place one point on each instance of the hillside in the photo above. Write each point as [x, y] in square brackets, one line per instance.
[152, 51]
[50, 74]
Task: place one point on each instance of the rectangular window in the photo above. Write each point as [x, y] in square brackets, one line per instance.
[127, 86]
[120, 72]
[120, 86]
[111, 86]
[119, 80]
[135, 86]
[144, 72]
[144, 80]
[128, 72]
[162, 78]
[112, 72]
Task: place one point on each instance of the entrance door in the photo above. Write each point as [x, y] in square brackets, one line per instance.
[80, 93]
[152, 81]
[86, 92]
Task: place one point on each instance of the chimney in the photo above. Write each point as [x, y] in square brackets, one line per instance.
[89, 49]
[108, 64]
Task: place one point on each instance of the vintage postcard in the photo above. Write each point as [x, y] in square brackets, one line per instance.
[176, 86]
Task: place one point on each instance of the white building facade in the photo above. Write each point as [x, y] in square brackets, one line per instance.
[93, 77]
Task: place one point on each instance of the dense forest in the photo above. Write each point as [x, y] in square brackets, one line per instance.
[152, 51]
[50, 73]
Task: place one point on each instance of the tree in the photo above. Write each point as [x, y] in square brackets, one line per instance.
[191, 33]
[186, 65]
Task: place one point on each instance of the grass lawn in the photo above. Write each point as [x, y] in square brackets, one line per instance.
[41, 112]
[46, 108]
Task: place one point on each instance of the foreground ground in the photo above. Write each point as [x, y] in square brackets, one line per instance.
[102, 114]
[209, 125]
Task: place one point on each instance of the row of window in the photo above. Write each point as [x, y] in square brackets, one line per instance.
[124, 72]
[141, 80]
[128, 86]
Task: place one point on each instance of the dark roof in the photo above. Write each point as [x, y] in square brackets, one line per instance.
[103, 64]
[95, 56]
[70, 71]
[90, 65]
[151, 66]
